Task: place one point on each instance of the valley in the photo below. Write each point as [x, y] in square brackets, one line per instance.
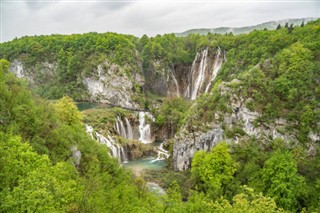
[200, 123]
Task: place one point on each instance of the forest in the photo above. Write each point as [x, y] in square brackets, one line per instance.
[276, 72]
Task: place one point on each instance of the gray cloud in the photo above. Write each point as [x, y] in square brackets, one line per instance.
[140, 17]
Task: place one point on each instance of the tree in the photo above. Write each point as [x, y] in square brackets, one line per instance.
[173, 199]
[278, 27]
[282, 181]
[29, 183]
[68, 111]
[213, 171]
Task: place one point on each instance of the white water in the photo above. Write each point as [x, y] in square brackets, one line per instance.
[162, 153]
[116, 150]
[216, 68]
[200, 77]
[144, 128]
[199, 80]
[120, 128]
[129, 129]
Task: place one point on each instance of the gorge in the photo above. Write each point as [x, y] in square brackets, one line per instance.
[204, 117]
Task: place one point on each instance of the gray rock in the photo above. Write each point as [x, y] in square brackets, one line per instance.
[185, 147]
[76, 155]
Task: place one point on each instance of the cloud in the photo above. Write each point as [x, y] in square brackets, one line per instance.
[140, 17]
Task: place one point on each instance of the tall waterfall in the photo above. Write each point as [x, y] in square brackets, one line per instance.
[200, 77]
[217, 65]
[144, 127]
[204, 70]
[116, 150]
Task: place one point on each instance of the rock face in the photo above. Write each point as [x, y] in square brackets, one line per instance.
[33, 75]
[136, 150]
[76, 155]
[187, 143]
[186, 146]
[185, 80]
[112, 85]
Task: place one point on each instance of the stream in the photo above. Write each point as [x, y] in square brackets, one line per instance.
[139, 165]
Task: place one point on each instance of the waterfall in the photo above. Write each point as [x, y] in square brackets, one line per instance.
[144, 127]
[200, 76]
[175, 82]
[203, 73]
[89, 130]
[121, 130]
[124, 130]
[162, 153]
[217, 65]
[129, 129]
[116, 150]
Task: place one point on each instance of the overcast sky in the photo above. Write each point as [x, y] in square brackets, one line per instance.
[38, 17]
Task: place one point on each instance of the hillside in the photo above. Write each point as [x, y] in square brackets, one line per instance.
[234, 119]
[271, 25]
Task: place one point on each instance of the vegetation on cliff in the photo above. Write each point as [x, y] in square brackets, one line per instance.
[273, 73]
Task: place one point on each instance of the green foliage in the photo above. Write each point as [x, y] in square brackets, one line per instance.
[71, 56]
[30, 183]
[68, 111]
[172, 113]
[281, 180]
[213, 171]
[277, 73]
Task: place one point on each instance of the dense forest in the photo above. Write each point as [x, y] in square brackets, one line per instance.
[275, 74]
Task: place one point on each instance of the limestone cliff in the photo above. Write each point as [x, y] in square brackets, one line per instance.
[187, 142]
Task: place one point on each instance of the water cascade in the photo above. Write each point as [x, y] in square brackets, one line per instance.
[144, 127]
[162, 153]
[129, 129]
[216, 67]
[200, 77]
[120, 128]
[204, 70]
[116, 150]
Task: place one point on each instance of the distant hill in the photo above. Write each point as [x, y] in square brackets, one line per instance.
[271, 25]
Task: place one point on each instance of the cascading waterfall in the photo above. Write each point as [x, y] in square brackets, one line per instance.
[193, 67]
[217, 65]
[129, 129]
[200, 77]
[116, 150]
[162, 153]
[121, 130]
[144, 127]
[89, 130]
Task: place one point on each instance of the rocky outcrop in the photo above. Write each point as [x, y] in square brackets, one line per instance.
[112, 85]
[76, 155]
[185, 146]
[136, 150]
[187, 143]
[34, 75]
